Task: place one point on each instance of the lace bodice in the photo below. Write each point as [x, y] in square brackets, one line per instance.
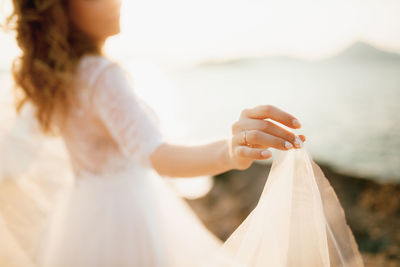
[110, 127]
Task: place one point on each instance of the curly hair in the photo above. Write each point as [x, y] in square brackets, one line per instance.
[51, 47]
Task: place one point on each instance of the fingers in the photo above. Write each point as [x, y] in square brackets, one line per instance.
[253, 153]
[259, 139]
[270, 128]
[272, 112]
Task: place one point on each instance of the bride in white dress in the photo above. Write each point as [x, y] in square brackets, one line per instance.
[117, 209]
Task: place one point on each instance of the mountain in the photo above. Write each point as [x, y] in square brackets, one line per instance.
[356, 51]
[365, 51]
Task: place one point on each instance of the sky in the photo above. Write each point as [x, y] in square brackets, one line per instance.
[188, 31]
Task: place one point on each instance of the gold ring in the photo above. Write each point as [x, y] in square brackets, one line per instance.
[244, 138]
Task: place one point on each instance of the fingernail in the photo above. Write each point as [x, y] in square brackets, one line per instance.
[288, 145]
[296, 123]
[297, 142]
[266, 153]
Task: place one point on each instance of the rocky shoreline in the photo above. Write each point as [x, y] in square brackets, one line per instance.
[372, 210]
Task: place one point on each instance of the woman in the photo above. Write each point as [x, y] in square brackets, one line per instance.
[118, 211]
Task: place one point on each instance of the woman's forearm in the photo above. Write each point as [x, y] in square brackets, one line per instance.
[190, 161]
[252, 135]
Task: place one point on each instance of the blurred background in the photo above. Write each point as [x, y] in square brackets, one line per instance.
[335, 65]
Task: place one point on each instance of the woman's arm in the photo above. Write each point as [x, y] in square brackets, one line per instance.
[189, 161]
[236, 152]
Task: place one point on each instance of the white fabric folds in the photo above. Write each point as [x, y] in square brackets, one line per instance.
[298, 221]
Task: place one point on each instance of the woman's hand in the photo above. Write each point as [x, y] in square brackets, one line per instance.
[261, 134]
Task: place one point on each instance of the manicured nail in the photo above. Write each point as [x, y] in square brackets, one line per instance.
[288, 145]
[297, 142]
[266, 153]
[296, 123]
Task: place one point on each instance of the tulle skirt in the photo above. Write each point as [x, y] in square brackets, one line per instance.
[127, 218]
[135, 218]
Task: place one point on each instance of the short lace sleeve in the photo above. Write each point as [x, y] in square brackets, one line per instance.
[129, 120]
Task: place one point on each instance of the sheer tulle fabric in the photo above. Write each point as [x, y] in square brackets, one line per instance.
[33, 172]
[92, 198]
[298, 221]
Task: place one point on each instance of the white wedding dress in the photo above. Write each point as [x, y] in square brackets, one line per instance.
[92, 198]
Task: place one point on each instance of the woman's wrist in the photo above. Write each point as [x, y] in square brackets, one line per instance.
[226, 155]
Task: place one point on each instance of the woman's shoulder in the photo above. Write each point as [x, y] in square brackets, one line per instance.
[91, 66]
